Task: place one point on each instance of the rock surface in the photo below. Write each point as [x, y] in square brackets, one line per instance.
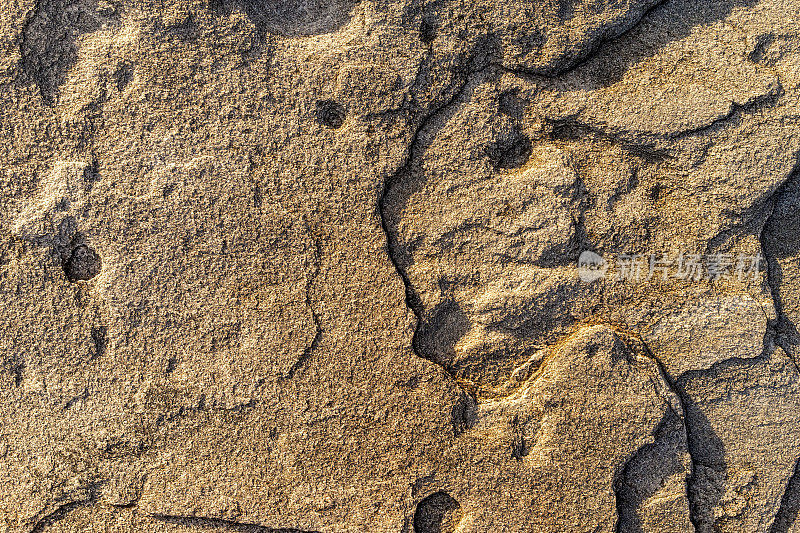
[414, 266]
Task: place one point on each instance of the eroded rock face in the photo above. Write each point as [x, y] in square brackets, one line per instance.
[322, 266]
[742, 416]
[596, 404]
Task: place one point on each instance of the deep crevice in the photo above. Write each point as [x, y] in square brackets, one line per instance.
[790, 504]
[694, 442]
[634, 487]
[63, 510]
[785, 335]
[412, 300]
[737, 110]
[200, 522]
[783, 330]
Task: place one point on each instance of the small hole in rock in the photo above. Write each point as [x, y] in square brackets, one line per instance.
[330, 114]
[100, 341]
[83, 264]
[510, 150]
[657, 191]
[511, 104]
[464, 414]
[427, 30]
[438, 513]
[91, 175]
[123, 75]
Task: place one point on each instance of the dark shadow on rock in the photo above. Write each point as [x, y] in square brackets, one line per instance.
[464, 414]
[780, 240]
[790, 504]
[545, 321]
[510, 149]
[47, 46]
[438, 513]
[198, 522]
[647, 471]
[293, 18]
[706, 484]
[438, 332]
[330, 114]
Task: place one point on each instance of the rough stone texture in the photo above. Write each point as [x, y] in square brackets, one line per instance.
[314, 266]
[742, 468]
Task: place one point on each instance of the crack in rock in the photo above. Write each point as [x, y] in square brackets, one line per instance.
[412, 299]
[318, 331]
[61, 512]
[790, 504]
[200, 522]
